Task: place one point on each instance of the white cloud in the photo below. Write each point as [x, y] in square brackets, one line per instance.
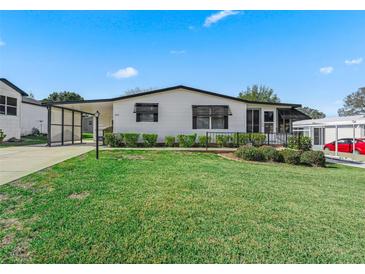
[124, 73]
[2, 43]
[354, 61]
[177, 51]
[326, 70]
[214, 18]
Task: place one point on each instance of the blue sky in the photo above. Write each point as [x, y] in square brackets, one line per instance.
[310, 57]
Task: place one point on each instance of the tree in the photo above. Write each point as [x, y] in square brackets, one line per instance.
[62, 97]
[312, 112]
[259, 93]
[136, 90]
[354, 104]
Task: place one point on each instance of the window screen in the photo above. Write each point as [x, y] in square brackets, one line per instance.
[210, 117]
[146, 112]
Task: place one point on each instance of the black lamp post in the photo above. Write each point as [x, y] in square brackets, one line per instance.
[97, 114]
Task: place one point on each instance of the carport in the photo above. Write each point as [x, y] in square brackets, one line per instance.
[65, 120]
[326, 130]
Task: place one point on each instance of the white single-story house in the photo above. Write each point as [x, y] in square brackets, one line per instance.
[19, 114]
[326, 130]
[184, 110]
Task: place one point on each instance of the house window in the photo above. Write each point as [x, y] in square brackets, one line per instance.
[8, 105]
[146, 112]
[253, 120]
[268, 121]
[2, 104]
[210, 117]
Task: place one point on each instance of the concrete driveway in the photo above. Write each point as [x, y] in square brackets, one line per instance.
[16, 162]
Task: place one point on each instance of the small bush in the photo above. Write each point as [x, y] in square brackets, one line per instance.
[186, 140]
[223, 140]
[170, 141]
[313, 158]
[250, 153]
[257, 139]
[35, 131]
[300, 142]
[113, 140]
[202, 140]
[2, 135]
[271, 154]
[291, 156]
[243, 138]
[149, 140]
[131, 139]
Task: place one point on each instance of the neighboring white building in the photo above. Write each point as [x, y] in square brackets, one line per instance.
[19, 113]
[185, 110]
[323, 131]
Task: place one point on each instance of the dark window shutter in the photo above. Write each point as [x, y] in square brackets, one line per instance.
[155, 117]
[225, 122]
[194, 122]
[138, 117]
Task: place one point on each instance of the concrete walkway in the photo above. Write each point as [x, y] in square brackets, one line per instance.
[16, 162]
[345, 163]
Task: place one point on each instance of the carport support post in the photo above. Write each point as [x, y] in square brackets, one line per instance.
[97, 134]
[336, 142]
[49, 108]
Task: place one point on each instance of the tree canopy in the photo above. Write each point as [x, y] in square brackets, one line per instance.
[312, 112]
[259, 93]
[62, 97]
[354, 103]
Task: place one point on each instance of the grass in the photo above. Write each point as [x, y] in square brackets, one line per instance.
[180, 207]
[26, 141]
[87, 135]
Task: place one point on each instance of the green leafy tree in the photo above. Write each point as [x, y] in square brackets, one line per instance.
[312, 112]
[63, 97]
[260, 94]
[354, 104]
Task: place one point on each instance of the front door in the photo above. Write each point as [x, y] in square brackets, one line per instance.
[253, 120]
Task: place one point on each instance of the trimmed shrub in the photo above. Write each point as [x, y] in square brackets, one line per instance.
[257, 139]
[250, 153]
[300, 142]
[291, 156]
[2, 135]
[149, 140]
[35, 131]
[202, 140]
[170, 141]
[131, 139]
[223, 140]
[186, 140]
[313, 158]
[271, 154]
[243, 138]
[113, 140]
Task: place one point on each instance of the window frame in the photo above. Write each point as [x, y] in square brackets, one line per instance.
[211, 116]
[7, 106]
[270, 123]
[153, 111]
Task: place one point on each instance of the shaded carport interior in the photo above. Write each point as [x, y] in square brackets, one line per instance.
[105, 108]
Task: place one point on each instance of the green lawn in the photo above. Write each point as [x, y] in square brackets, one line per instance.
[26, 141]
[87, 135]
[180, 207]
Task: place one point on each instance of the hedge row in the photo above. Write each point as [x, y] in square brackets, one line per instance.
[289, 156]
[183, 140]
[129, 139]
